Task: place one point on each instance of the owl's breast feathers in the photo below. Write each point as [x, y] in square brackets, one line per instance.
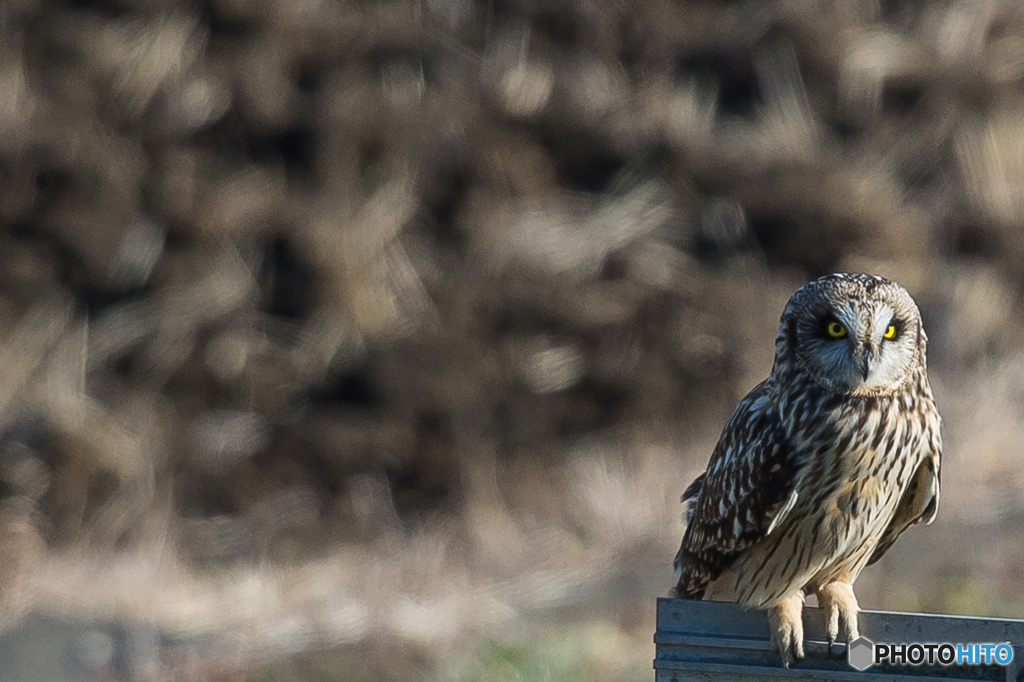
[839, 478]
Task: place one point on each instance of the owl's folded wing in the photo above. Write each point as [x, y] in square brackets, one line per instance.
[920, 503]
[748, 489]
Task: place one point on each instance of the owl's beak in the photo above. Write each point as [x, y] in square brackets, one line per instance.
[865, 366]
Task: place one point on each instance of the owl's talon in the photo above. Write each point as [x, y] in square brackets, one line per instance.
[785, 620]
[839, 603]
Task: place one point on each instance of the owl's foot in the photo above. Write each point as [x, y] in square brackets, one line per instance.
[785, 620]
[839, 602]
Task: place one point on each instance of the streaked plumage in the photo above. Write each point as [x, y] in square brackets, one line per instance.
[822, 465]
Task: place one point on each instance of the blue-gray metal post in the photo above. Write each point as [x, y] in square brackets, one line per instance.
[700, 640]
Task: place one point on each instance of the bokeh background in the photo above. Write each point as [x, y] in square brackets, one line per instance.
[370, 340]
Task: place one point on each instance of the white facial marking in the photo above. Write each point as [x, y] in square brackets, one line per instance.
[880, 318]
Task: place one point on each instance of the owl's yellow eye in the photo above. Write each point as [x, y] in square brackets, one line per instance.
[890, 331]
[836, 330]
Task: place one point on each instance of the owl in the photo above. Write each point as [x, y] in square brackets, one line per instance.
[822, 466]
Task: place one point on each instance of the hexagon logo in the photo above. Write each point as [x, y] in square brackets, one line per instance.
[861, 653]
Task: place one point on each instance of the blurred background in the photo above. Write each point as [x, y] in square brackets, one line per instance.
[371, 340]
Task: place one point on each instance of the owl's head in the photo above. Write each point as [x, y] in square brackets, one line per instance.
[854, 334]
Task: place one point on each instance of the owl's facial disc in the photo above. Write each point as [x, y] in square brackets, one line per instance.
[857, 335]
[859, 347]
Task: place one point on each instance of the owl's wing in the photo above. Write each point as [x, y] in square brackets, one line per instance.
[920, 502]
[749, 487]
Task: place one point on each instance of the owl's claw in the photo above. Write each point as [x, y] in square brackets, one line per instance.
[785, 620]
[839, 603]
[791, 648]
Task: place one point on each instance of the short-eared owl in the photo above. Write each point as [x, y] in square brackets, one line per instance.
[822, 466]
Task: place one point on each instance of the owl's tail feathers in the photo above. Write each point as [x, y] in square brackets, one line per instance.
[690, 582]
[681, 591]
